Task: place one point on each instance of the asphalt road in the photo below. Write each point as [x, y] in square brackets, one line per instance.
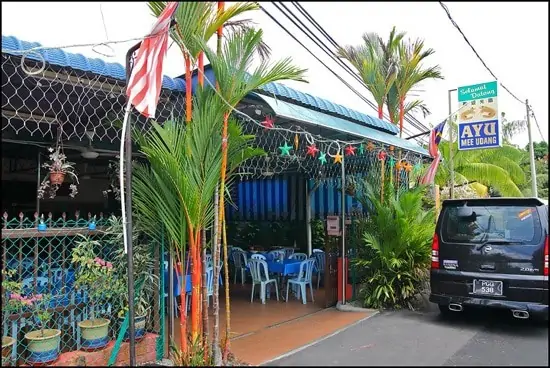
[426, 338]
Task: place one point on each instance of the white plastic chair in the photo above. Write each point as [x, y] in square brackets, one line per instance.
[320, 263]
[276, 254]
[303, 279]
[258, 256]
[298, 256]
[260, 275]
[208, 260]
[288, 252]
[239, 261]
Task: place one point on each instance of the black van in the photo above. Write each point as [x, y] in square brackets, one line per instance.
[491, 252]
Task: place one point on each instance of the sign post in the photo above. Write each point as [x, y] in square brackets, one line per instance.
[478, 122]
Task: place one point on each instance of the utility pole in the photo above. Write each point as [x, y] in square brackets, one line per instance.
[534, 191]
[451, 163]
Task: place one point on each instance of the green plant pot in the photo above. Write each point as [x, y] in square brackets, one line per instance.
[7, 344]
[43, 347]
[139, 323]
[94, 333]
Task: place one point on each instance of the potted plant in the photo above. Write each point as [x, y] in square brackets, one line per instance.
[42, 344]
[11, 290]
[94, 276]
[146, 281]
[58, 168]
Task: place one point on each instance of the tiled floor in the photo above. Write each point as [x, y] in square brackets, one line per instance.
[261, 332]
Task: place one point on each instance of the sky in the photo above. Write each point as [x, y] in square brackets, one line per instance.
[511, 37]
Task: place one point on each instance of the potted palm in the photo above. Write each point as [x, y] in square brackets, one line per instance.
[146, 281]
[42, 344]
[94, 276]
[11, 291]
[58, 168]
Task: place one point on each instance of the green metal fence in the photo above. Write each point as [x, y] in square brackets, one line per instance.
[64, 293]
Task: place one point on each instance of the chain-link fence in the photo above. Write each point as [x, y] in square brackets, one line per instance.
[65, 297]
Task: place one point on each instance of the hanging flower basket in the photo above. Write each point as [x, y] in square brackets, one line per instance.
[57, 177]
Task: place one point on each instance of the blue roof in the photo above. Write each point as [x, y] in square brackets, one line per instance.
[307, 100]
[281, 90]
[11, 45]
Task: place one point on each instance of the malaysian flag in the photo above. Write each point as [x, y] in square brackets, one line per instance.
[145, 82]
[433, 149]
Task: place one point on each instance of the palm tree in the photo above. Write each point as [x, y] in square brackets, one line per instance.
[178, 187]
[497, 168]
[511, 128]
[231, 66]
[376, 64]
[411, 72]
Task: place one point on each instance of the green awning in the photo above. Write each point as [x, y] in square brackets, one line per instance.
[301, 114]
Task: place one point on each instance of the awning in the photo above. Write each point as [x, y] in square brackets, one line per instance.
[305, 115]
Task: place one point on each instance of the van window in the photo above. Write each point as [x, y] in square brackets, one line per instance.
[510, 223]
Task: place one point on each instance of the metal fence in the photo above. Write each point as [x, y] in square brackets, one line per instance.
[64, 293]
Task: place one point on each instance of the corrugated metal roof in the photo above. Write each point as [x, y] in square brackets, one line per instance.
[117, 71]
[309, 101]
[11, 45]
[309, 116]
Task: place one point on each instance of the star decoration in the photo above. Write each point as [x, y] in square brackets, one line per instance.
[323, 158]
[399, 166]
[408, 167]
[337, 158]
[382, 155]
[392, 162]
[296, 141]
[312, 150]
[268, 122]
[350, 151]
[285, 150]
[370, 146]
[391, 148]
[361, 149]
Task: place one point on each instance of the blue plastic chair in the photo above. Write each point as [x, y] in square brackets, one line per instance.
[320, 264]
[303, 279]
[260, 276]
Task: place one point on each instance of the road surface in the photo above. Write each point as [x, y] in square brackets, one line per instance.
[426, 338]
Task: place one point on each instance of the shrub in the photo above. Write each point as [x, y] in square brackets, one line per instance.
[396, 248]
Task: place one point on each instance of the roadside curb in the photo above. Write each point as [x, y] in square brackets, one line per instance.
[350, 308]
[292, 352]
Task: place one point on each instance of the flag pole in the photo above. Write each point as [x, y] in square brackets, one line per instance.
[126, 205]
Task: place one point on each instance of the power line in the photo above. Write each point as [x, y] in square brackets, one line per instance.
[537, 123]
[475, 52]
[315, 56]
[417, 124]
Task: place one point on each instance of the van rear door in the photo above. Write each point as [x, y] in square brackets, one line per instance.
[493, 236]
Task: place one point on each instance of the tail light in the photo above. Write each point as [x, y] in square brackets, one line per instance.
[435, 253]
[546, 256]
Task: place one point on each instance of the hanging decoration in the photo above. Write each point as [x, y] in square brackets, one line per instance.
[350, 150]
[296, 141]
[399, 165]
[285, 150]
[391, 162]
[361, 149]
[337, 158]
[382, 155]
[408, 167]
[312, 150]
[370, 146]
[268, 123]
[323, 158]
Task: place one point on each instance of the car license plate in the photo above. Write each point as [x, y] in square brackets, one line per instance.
[487, 287]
